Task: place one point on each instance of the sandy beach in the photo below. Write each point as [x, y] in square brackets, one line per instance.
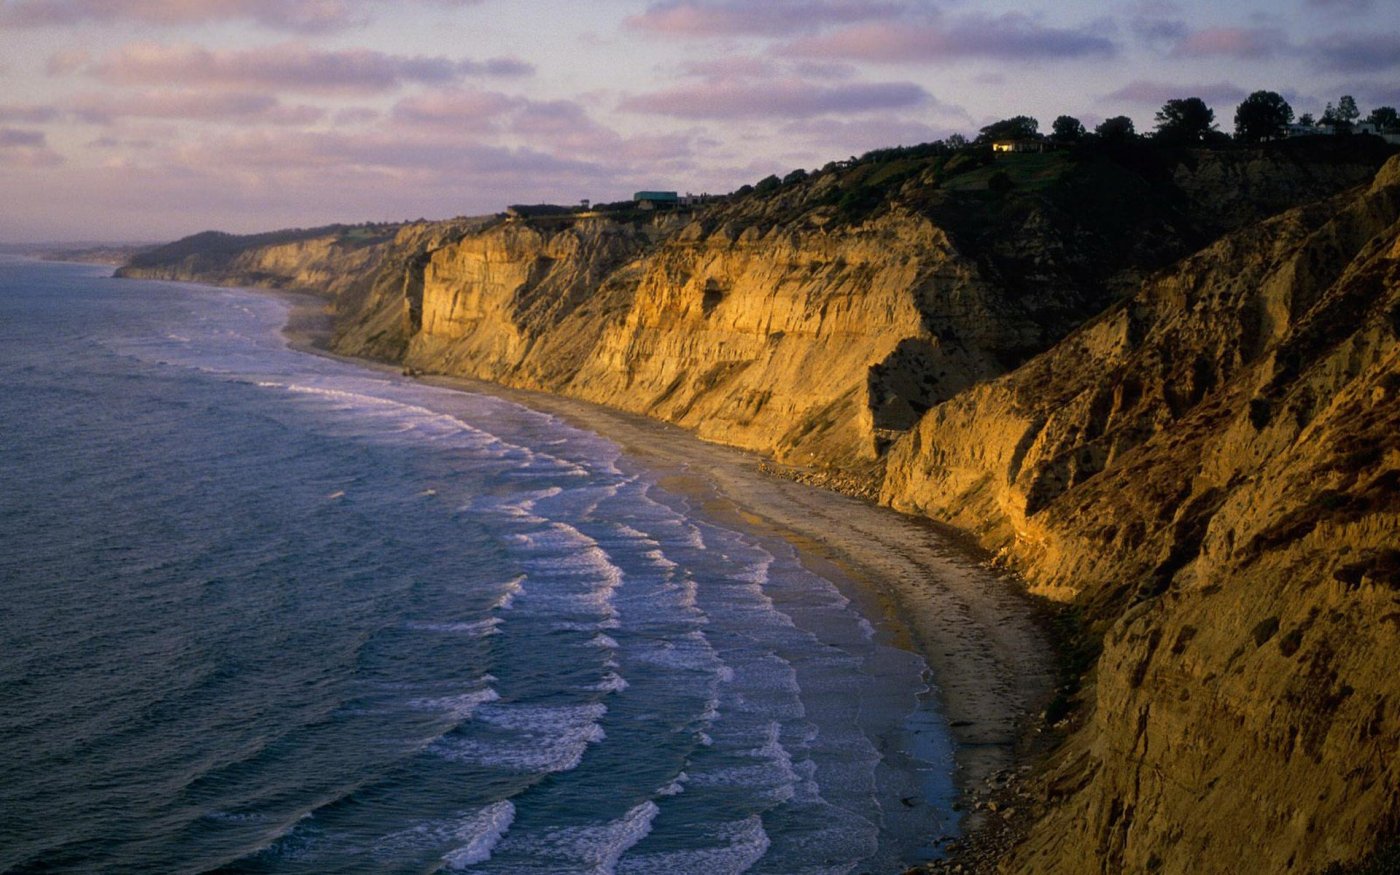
[982, 637]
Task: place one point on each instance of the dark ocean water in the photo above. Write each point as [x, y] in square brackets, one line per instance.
[266, 611]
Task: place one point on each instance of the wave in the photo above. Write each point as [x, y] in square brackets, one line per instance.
[423, 422]
[612, 682]
[482, 831]
[740, 845]
[477, 628]
[506, 600]
[461, 707]
[676, 787]
[772, 773]
[595, 849]
[534, 739]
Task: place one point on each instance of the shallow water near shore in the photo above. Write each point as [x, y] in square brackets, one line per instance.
[270, 611]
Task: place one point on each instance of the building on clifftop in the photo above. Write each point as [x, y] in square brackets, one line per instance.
[650, 200]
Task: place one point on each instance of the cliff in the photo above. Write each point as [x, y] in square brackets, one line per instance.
[1210, 472]
[818, 323]
[1161, 385]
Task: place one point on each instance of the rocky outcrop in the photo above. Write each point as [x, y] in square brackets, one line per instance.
[1210, 471]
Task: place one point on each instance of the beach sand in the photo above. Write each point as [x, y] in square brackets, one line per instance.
[928, 589]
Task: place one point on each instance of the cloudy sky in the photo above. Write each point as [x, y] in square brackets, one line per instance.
[151, 119]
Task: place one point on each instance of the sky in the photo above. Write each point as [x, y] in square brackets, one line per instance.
[146, 120]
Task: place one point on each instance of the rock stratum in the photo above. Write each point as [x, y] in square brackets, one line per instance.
[1160, 385]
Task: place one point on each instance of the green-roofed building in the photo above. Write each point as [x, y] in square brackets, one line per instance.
[650, 200]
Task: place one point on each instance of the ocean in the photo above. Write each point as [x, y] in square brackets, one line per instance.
[268, 611]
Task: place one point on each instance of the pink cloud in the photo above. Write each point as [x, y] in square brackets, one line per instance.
[384, 152]
[1358, 52]
[557, 127]
[67, 62]
[1251, 43]
[1153, 93]
[25, 148]
[357, 115]
[303, 16]
[729, 67]
[695, 18]
[1009, 37]
[292, 67]
[31, 113]
[238, 107]
[107, 142]
[12, 137]
[454, 107]
[1159, 30]
[783, 98]
[837, 138]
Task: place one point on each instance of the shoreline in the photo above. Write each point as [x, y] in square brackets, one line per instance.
[985, 640]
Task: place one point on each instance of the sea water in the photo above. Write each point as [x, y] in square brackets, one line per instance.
[266, 611]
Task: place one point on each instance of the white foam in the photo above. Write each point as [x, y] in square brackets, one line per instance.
[506, 599]
[627, 531]
[460, 707]
[772, 772]
[593, 849]
[404, 417]
[757, 571]
[607, 624]
[477, 628]
[711, 712]
[481, 832]
[745, 843]
[659, 560]
[676, 787]
[612, 682]
[537, 738]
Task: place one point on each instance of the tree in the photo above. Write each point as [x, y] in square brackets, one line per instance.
[768, 184]
[1307, 120]
[1264, 115]
[1020, 127]
[1385, 118]
[1067, 129]
[1118, 129]
[1185, 120]
[797, 175]
[1341, 116]
[956, 141]
[1346, 109]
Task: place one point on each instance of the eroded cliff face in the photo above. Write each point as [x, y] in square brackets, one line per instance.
[806, 343]
[522, 304]
[1210, 471]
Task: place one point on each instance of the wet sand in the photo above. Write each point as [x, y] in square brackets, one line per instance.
[983, 638]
